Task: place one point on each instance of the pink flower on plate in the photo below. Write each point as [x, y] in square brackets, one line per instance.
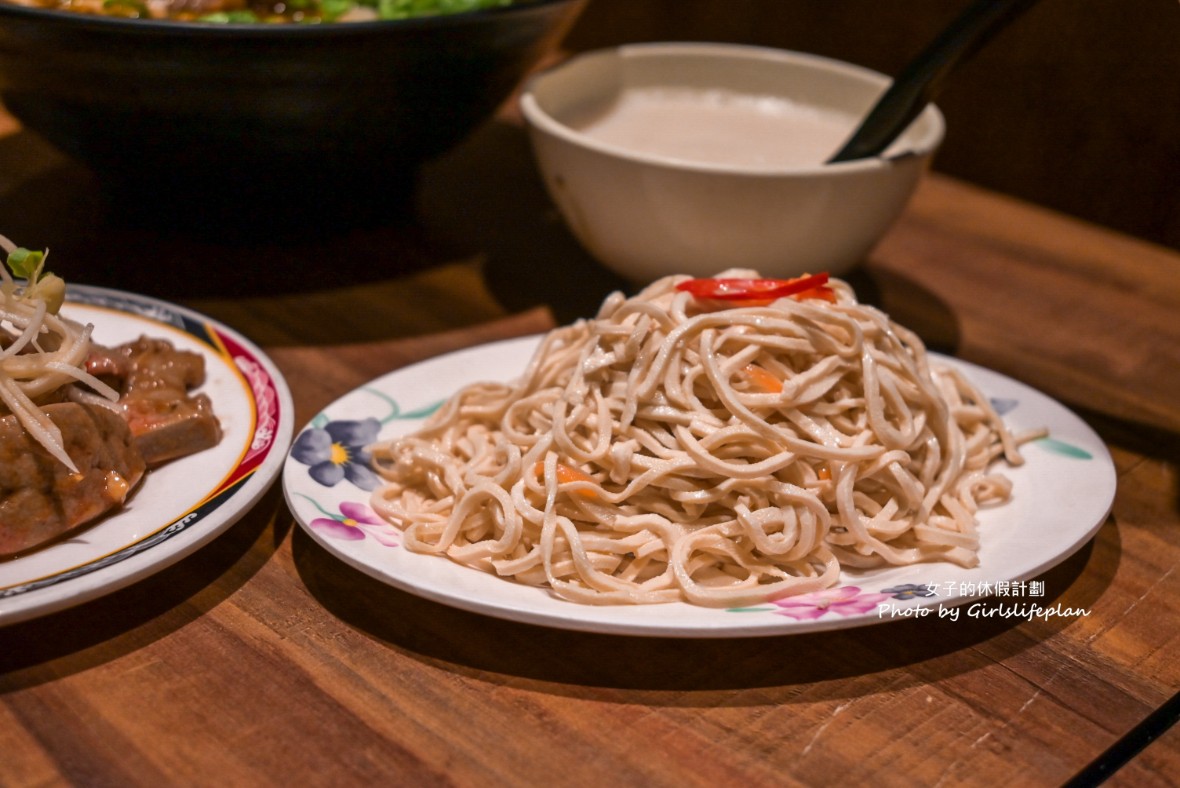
[844, 601]
[355, 522]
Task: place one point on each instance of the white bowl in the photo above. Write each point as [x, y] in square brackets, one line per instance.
[647, 208]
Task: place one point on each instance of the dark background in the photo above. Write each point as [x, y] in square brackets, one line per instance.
[1076, 106]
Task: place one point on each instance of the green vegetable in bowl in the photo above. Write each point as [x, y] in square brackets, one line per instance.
[269, 11]
[404, 9]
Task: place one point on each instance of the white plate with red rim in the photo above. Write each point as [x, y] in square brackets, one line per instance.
[1061, 497]
[182, 505]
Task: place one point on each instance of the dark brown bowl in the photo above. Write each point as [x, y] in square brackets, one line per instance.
[270, 119]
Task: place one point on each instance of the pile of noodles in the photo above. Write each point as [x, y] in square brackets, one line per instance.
[671, 450]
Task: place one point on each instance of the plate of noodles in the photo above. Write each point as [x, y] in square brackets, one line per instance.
[179, 505]
[693, 464]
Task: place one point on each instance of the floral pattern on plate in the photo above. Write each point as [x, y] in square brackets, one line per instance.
[401, 399]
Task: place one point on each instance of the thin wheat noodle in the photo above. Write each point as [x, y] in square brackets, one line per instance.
[642, 456]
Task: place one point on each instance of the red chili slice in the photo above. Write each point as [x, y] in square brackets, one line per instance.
[748, 289]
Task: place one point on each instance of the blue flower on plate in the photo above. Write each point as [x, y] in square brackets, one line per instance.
[1002, 405]
[339, 450]
[908, 591]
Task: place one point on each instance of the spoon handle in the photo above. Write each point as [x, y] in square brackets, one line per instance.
[921, 79]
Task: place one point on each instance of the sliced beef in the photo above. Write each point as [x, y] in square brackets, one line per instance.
[41, 499]
[108, 364]
[155, 420]
[154, 380]
[166, 432]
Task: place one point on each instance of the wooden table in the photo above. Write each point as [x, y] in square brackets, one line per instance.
[263, 660]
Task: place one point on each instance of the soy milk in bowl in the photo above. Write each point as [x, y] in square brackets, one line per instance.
[693, 158]
[716, 127]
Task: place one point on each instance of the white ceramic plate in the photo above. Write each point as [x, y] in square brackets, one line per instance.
[179, 506]
[1061, 497]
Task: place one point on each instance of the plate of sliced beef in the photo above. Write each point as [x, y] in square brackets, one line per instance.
[199, 431]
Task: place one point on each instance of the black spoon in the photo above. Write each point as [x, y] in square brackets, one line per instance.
[921, 80]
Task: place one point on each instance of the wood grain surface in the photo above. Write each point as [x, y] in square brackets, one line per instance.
[263, 660]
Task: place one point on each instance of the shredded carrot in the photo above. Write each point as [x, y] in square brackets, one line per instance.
[762, 380]
[566, 474]
[823, 293]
